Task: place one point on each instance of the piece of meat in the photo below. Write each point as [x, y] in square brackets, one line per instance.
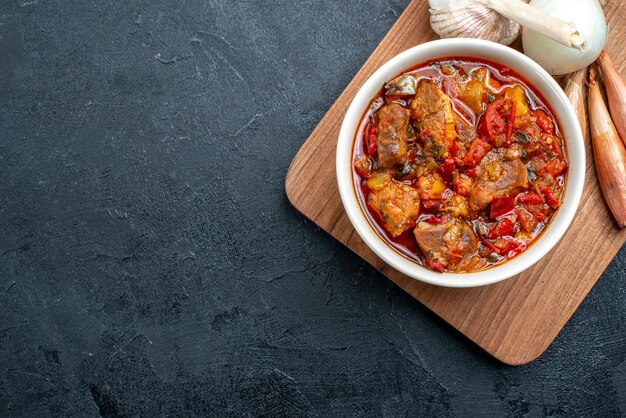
[465, 131]
[497, 177]
[446, 243]
[398, 206]
[392, 121]
[434, 117]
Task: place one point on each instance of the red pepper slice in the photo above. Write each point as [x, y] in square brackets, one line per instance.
[477, 150]
[492, 123]
[434, 265]
[498, 121]
[501, 206]
[510, 123]
[529, 197]
[544, 122]
[454, 150]
[436, 220]
[513, 248]
[555, 166]
[371, 147]
[492, 247]
[446, 168]
[526, 220]
[540, 212]
[515, 251]
[503, 228]
[472, 172]
[550, 199]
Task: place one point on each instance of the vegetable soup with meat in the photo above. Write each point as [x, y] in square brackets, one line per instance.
[459, 164]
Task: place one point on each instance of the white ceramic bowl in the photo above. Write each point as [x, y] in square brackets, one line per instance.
[536, 76]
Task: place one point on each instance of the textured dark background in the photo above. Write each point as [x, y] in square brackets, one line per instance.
[151, 264]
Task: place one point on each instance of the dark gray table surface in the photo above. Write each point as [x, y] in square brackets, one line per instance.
[150, 263]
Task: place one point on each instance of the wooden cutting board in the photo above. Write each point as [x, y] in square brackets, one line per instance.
[515, 320]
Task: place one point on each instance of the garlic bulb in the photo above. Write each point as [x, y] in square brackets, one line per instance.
[588, 17]
[471, 19]
[489, 19]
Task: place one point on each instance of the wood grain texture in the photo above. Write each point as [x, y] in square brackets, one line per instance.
[515, 320]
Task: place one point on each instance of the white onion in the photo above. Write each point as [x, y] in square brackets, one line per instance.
[556, 58]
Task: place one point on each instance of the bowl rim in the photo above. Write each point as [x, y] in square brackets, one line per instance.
[534, 74]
